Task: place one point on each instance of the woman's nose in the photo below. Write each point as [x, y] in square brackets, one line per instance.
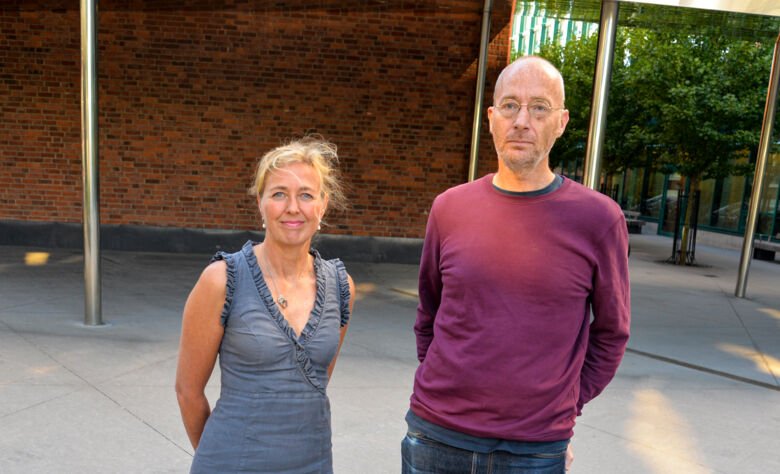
[292, 205]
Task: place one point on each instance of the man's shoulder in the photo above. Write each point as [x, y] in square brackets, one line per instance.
[593, 200]
[462, 191]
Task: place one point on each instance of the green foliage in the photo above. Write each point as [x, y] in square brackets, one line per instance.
[683, 20]
[705, 95]
[576, 61]
[690, 103]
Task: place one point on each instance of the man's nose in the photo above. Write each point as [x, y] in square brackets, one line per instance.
[523, 117]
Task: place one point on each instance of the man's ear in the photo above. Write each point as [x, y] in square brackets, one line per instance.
[564, 121]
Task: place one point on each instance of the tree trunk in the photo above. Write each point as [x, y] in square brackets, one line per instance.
[689, 186]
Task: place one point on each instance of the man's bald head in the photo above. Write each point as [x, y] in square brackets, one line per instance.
[534, 65]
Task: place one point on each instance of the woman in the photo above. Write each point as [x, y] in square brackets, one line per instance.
[276, 314]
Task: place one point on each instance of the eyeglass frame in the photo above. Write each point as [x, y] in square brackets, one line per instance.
[538, 115]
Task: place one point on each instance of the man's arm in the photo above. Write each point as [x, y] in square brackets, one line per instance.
[429, 288]
[611, 304]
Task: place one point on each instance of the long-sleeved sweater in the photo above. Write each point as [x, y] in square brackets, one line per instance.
[524, 309]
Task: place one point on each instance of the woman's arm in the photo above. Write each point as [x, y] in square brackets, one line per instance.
[201, 334]
[343, 328]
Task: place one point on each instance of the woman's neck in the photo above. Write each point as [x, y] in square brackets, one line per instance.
[287, 263]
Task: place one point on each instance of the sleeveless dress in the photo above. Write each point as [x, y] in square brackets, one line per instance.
[273, 414]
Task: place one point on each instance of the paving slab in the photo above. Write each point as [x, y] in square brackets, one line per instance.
[698, 390]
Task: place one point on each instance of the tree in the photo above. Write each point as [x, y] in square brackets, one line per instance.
[623, 145]
[704, 93]
[689, 103]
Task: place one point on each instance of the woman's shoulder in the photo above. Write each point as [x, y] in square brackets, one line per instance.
[231, 256]
[215, 274]
[334, 268]
[334, 263]
[222, 268]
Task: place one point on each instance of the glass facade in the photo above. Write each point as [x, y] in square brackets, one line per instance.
[532, 27]
[769, 217]
[723, 201]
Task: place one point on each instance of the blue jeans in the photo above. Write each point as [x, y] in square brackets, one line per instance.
[423, 455]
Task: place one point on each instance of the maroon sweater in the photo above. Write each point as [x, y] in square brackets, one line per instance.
[505, 339]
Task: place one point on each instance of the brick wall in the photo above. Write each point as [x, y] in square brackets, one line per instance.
[191, 97]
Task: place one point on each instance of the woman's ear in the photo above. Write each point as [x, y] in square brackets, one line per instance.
[324, 205]
[260, 210]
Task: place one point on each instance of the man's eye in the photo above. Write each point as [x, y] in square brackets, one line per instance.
[539, 108]
[510, 107]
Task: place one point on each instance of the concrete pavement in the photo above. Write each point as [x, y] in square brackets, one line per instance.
[698, 391]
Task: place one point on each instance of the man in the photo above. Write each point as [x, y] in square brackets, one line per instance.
[513, 265]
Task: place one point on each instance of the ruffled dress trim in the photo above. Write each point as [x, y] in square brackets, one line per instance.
[231, 283]
[302, 357]
[344, 292]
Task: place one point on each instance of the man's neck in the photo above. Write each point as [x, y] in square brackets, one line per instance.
[522, 182]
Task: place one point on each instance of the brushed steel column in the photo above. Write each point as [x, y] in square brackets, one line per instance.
[476, 129]
[89, 163]
[758, 176]
[598, 111]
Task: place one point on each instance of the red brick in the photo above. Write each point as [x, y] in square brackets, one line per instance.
[190, 98]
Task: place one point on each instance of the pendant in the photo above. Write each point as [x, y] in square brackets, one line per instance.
[282, 301]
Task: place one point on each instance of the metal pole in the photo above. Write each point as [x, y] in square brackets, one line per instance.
[89, 163]
[598, 110]
[476, 129]
[758, 177]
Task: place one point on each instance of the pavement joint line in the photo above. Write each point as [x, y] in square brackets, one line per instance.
[92, 386]
[31, 303]
[143, 367]
[767, 365]
[42, 402]
[707, 370]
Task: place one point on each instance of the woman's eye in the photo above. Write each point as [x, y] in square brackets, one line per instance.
[307, 197]
[277, 195]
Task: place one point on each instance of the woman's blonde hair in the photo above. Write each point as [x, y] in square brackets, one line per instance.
[313, 151]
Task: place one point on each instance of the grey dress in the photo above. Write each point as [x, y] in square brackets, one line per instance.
[273, 414]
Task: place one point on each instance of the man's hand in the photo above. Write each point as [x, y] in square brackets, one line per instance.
[569, 456]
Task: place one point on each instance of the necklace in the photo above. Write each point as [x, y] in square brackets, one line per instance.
[280, 299]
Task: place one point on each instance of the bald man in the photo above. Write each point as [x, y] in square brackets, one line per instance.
[524, 305]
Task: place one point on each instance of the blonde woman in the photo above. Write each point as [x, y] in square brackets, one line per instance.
[276, 314]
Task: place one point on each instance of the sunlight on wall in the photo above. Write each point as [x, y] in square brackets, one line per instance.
[661, 437]
[764, 363]
[35, 259]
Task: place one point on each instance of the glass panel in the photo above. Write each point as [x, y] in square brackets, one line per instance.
[768, 217]
[732, 206]
[707, 190]
[670, 215]
[631, 195]
[651, 189]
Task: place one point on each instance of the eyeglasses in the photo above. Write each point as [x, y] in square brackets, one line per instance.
[538, 110]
